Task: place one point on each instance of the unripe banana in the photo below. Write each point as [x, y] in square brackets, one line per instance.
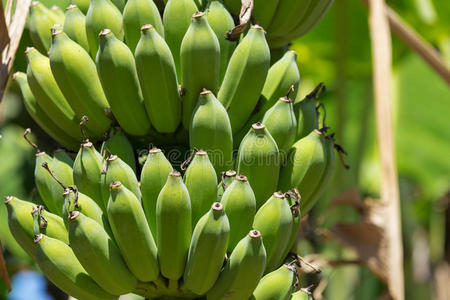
[174, 226]
[56, 10]
[82, 4]
[117, 71]
[245, 77]
[102, 14]
[210, 130]
[39, 116]
[41, 20]
[157, 76]
[87, 175]
[207, 250]
[258, 159]
[136, 14]
[118, 143]
[264, 11]
[287, 16]
[199, 49]
[134, 239]
[153, 177]
[201, 182]
[61, 169]
[274, 221]
[48, 224]
[305, 166]
[60, 265]
[48, 95]
[20, 223]
[280, 121]
[176, 19]
[226, 180]
[277, 285]
[117, 170]
[43, 182]
[242, 271]
[99, 255]
[221, 22]
[240, 206]
[75, 26]
[307, 116]
[302, 294]
[80, 85]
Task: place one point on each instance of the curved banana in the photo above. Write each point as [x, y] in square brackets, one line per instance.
[117, 71]
[307, 116]
[48, 95]
[264, 11]
[242, 271]
[136, 14]
[274, 221]
[43, 183]
[276, 285]
[87, 172]
[176, 19]
[153, 177]
[80, 86]
[221, 22]
[258, 159]
[173, 224]
[287, 15]
[40, 117]
[201, 182]
[137, 245]
[245, 77]
[210, 130]
[118, 143]
[75, 26]
[302, 294]
[199, 49]
[280, 121]
[157, 76]
[61, 168]
[41, 20]
[60, 265]
[305, 165]
[207, 251]
[117, 170]
[100, 15]
[99, 255]
[226, 179]
[240, 206]
[82, 4]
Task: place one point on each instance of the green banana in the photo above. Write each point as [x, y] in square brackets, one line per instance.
[245, 77]
[264, 11]
[280, 121]
[157, 76]
[59, 264]
[87, 170]
[39, 116]
[305, 165]
[117, 170]
[207, 250]
[240, 206]
[118, 143]
[221, 22]
[199, 49]
[56, 10]
[277, 285]
[274, 221]
[242, 271]
[173, 224]
[258, 159]
[80, 86]
[20, 222]
[82, 4]
[117, 71]
[99, 255]
[75, 26]
[41, 19]
[210, 130]
[48, 95]
[153, 177]
[102, 14]
[287, 16]
[201, 182]
[132, 234]
[306, 114]
[136, 14]
[176, 19]
[49, 224]
[302, 294]
[227, 178]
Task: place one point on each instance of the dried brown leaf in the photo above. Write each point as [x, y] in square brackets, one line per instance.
[245, 16]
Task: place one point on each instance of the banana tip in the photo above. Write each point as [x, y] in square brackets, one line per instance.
[198, 14]
[115, 184]
[254, 234]
[73, 215]
[71, 6]
[175, 173]
[154, 150]
[38, 238]
[57, 32]
[278, 194]
[217, 206]
[242, 177]
[112, 157]
[8, 199]
[205, 92]
[104, 32]
[146, 27]
[258, 126]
